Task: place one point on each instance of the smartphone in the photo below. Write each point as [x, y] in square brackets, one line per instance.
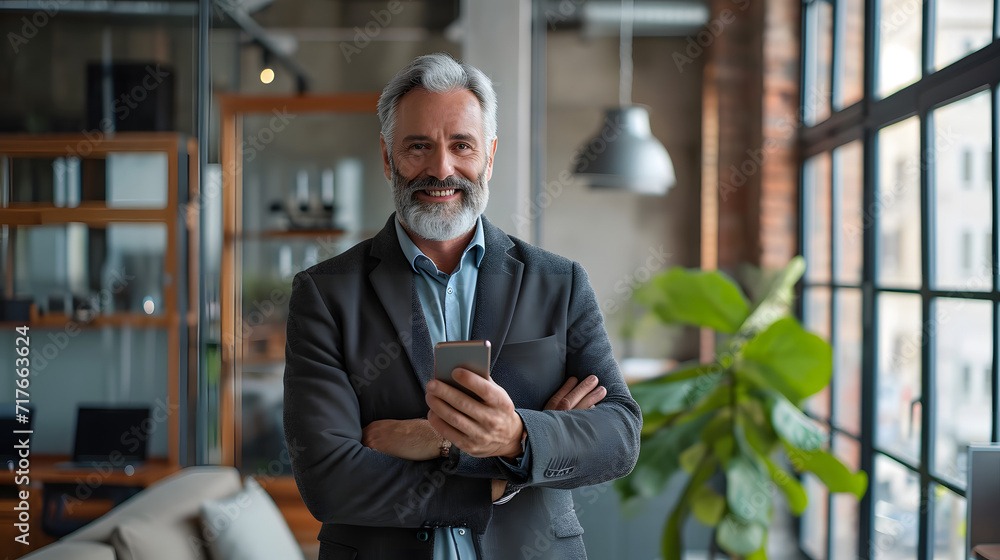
[473, 355]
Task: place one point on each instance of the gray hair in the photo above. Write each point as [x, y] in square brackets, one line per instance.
[439, 73]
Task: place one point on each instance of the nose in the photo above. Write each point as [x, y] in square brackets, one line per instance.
[440, 164]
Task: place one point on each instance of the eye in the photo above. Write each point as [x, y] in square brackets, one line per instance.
[418, 146]
[462, 146]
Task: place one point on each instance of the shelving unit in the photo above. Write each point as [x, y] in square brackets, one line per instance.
[181, 181]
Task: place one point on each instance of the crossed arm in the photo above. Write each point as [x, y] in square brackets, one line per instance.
[481, 429]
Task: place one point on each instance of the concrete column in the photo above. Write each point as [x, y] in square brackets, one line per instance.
[497, 40]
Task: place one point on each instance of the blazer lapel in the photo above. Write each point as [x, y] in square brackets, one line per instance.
[392, 280]
[496, 290]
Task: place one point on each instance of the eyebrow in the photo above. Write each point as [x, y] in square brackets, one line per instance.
[421, 138]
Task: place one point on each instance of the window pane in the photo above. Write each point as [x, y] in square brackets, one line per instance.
[852, 57]
[961, 27]
[851, 218]
[949, 524]
[896, 494]
[899, 45]
[845, 506]
[963, 382]
[814, 528]
[847, 361]
[898, 393]
[816, 175]
[816, 318]
[963, 219]
[898, 205]
[816, 97]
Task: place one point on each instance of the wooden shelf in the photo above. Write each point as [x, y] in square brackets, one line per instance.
[113, 320]
[94, 214]
[292, 233]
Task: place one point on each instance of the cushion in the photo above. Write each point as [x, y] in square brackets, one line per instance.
[144, 539]
[61, 550]
[247, 526]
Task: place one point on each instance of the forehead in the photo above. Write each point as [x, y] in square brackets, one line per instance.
[427, 113]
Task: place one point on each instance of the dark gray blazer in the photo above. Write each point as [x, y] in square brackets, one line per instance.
[359, 350]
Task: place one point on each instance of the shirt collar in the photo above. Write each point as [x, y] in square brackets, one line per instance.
[413, 253]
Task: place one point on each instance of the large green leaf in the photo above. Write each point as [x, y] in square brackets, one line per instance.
[793, 426]
[787, 358]
[834, 474]
[695, 297]
[777, 301]
[747, 491]
[737, 536]
[794, 493]
[692, 456]
[707, 505]
[659, 456]
[665, 397]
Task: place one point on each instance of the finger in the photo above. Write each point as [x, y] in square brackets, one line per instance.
[582, 390]
[559, 397]
[451, 416]
[592, 398]
[456, 398]
[473, 382]
[446, 430]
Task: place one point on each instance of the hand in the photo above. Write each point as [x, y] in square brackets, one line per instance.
[499, 487]
[414, 439]
[490, 428]
[574, 395]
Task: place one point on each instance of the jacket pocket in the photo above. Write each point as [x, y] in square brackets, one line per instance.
[567, 525]
[336, 551]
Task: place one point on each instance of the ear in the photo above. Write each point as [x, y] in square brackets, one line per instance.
[385, 158]
[489, 161]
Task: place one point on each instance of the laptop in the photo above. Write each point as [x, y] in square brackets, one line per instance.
[110, 438]
[9, 426]
[983, 495]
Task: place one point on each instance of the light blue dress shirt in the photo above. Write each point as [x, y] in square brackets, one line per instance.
[448, 301]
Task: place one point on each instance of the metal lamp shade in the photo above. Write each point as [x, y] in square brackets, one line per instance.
[625, 155]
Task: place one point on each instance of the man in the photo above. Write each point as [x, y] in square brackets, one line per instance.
[398, 465]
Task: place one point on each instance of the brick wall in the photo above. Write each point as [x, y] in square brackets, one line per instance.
[751, 84]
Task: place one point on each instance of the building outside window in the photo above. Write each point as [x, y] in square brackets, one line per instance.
[911, 329]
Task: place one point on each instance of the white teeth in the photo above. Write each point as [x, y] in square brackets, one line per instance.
[448, 192]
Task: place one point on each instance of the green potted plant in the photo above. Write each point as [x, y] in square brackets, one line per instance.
[739, 416]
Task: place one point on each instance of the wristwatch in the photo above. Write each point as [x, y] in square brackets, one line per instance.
[445, 447]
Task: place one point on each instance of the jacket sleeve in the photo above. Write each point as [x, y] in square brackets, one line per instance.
[340, 480]
[574, 448]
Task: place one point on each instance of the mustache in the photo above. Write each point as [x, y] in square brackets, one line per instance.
[433, 183]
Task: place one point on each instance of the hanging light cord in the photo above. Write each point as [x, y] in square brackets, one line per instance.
[625, 56]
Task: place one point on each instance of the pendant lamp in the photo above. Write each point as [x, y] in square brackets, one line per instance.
[624, 154]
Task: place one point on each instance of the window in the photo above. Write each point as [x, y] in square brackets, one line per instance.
[895, 206]
[967, 167]
[966, 250]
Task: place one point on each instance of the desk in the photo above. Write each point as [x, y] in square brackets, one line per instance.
[43, 471]
[986, 551]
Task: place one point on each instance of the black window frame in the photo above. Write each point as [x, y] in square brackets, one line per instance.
[976, 72]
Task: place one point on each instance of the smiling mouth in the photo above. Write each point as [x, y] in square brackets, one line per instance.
[439, 192]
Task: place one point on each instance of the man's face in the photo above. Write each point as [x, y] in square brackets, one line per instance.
[439, 163]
